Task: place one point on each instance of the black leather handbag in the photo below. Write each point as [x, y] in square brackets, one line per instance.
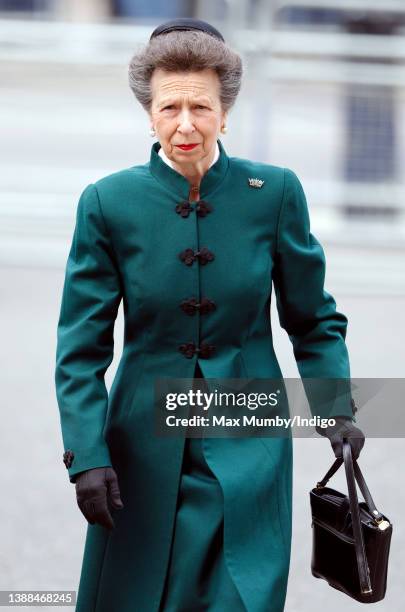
[350, 540]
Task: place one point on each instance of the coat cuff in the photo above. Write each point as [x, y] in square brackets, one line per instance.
[78, 460]
[345, 411]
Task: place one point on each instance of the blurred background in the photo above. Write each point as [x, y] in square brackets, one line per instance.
[323, 94]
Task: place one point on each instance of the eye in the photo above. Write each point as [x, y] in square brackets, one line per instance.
[201, 106]
[168, 106]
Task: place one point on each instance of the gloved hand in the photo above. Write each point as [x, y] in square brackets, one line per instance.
[94, 489]
[344, 428]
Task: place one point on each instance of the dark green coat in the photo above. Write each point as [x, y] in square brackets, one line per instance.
[126, 246]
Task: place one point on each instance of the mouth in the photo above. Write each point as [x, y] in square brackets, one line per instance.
[187, 147]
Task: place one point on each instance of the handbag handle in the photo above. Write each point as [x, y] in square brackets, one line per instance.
[350, 469]
[362, 565]
[378, 517]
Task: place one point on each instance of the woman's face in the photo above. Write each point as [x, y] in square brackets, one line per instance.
[186, 109]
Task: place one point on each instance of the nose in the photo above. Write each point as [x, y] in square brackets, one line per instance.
[185, 124]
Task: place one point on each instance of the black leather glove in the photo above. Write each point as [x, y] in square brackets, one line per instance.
[344, 428]
[94, 489]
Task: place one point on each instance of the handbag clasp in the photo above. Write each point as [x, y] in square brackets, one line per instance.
[382, 523]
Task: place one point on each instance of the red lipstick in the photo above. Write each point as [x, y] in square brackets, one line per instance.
[187, 147]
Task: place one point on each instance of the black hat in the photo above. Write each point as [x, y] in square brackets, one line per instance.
[185, 23]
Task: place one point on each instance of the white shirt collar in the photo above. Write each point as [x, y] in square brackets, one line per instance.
[169, 162]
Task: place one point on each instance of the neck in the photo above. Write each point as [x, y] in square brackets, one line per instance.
[194, 193]
[195, 172]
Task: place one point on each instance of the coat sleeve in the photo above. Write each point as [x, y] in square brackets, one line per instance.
[85, 338]
[306, 311]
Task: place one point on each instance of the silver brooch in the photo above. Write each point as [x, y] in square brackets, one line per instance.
[255, 182]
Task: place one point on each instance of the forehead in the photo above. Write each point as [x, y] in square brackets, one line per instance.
[200, 84]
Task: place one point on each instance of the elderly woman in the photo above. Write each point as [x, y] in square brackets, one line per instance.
[191, 242]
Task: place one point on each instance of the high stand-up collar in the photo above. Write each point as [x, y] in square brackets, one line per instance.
[178, 183]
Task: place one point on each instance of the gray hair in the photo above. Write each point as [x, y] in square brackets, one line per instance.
[186, 51]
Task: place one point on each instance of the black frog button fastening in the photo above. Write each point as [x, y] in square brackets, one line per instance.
[68, 457]
[202, 208]
[184, 209]
[192, 305]
[189, 349]
[205, 350]
[188, 256]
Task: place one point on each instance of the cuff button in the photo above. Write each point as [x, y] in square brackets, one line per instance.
[68, 457]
